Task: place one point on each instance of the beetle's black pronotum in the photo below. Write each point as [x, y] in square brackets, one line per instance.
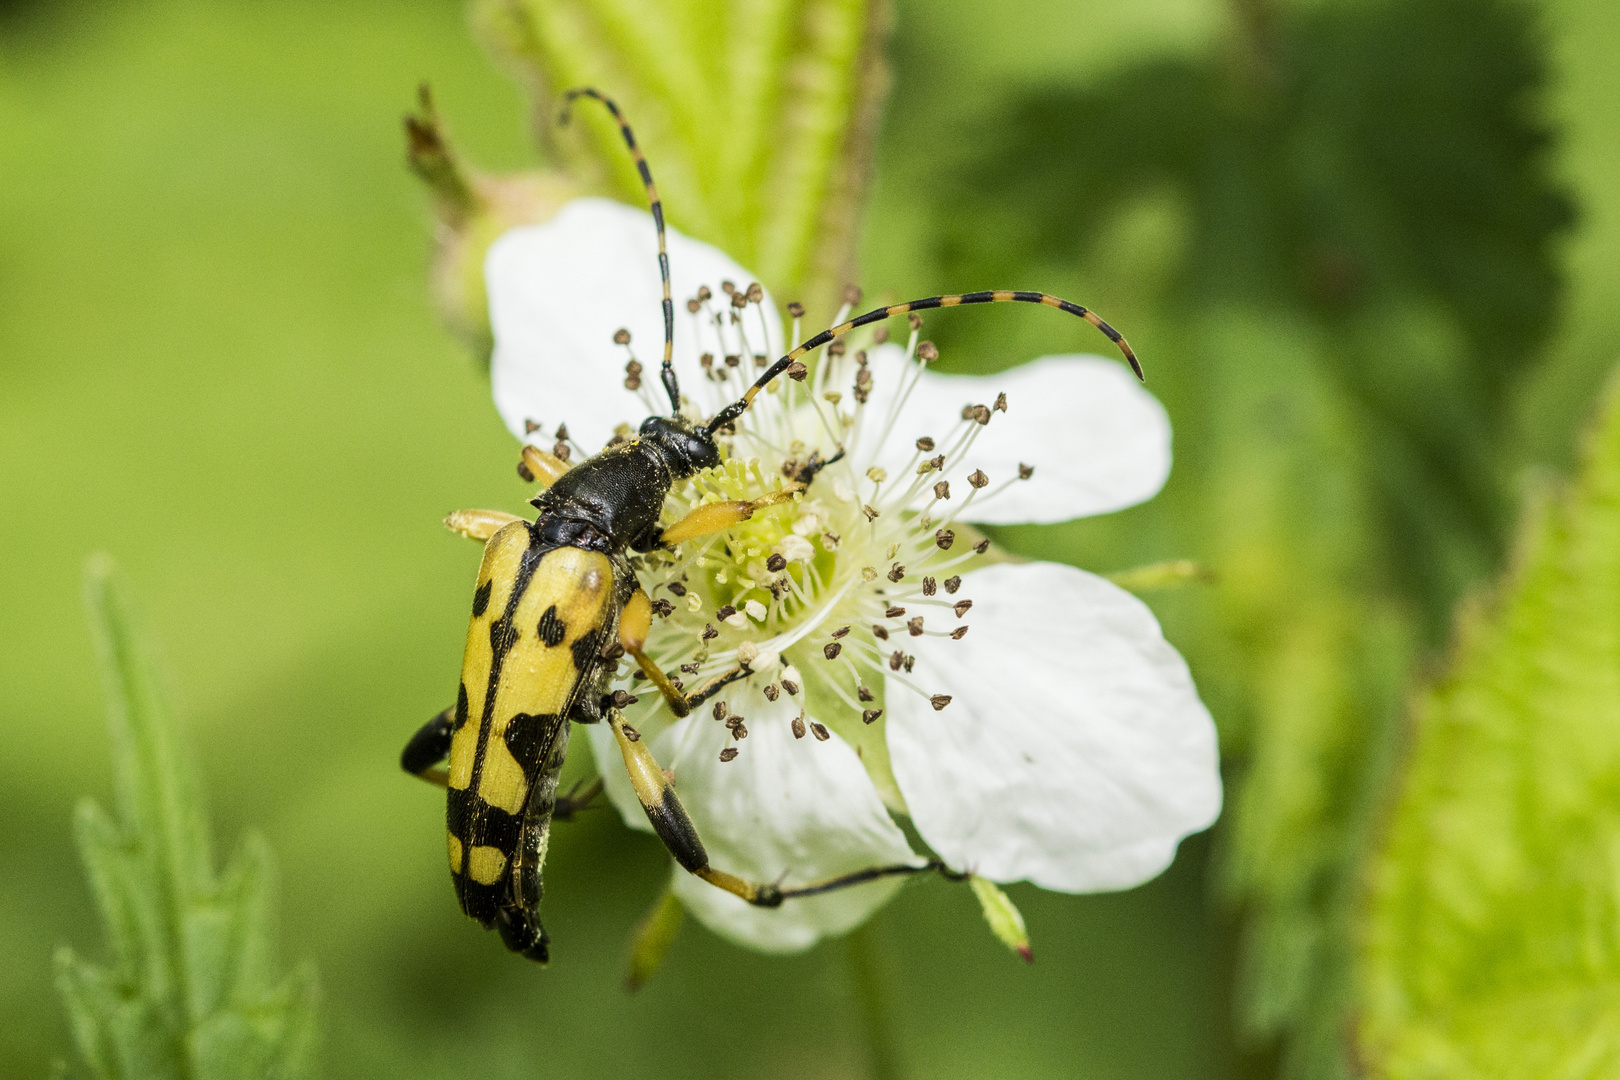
[556, 604]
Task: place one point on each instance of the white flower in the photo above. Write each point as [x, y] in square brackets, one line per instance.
[1060, 741]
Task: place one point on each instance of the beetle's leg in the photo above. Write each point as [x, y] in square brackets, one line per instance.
[712, 517]
[580, 796]
[479, 524]
[539, 466]
[656, 793]
[429, 746]
[633, 627]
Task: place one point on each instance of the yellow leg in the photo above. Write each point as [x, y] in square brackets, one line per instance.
[712, 517]
[479, 524]
[633, 627]
[656, 792]
[539, 466]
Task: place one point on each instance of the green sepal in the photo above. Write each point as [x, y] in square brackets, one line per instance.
[1163, 575]
[757, 118]
[651, 939]
[1006, 922]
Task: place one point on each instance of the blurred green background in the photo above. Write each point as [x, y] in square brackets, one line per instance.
[1369, 254]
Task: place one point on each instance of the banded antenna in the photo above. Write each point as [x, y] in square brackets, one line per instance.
[737, 408]
[667, 373]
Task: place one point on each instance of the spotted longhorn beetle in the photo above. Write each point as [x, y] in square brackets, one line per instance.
[557, 604]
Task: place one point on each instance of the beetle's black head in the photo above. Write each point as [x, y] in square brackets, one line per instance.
[688, 447]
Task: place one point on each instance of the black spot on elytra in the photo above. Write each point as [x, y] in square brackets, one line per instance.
[481, 902]
[552, 629]
[502, 635]
[461, 707]
[476, 823]
[481, 598]
[527, 735]
[585, 650]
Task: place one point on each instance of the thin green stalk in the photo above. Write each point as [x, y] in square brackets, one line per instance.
[871, 995]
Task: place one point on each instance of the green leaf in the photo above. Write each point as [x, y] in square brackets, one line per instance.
[190, 994]
[1493, 924]
[757, 117]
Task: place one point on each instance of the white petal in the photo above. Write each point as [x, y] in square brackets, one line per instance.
[1074, 753]
[1099, 442]
[789, 810]
[557, 293]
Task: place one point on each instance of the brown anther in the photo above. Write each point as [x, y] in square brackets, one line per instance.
[739, 730]
[915, 320]
[727, 287]
[837, 348]
[729, 754]
[927, 351]
[977, 478]
[942, 490]
[676, 588]
[852, 295]
[756, 292]
[776, 564]
[896, 658]
[894, 611]
[981, 547]
[613, 650]
[791, 687]
[939, 701]
[709, 632]
[690, 669]
[945, 538]
[1001, 403]
[863, 375]
[621, 336]
[630, 733]
[720, 710]
[694, 305]
[896, 572]
[929, 586]
[676, 683]
[1025, 471]
[707, 360]
[953, 583]
[739, 300]
[880, 335]
[879, 632]
[772, 692]
[925, 444]
[863, 693]
[819, 731]
[871, 512]
[760, 359]
[959, 633]
[961, 607]
[725, 612]
[796, 310]
[979, 413]
[937, 462]
[561, 450]
[632, 381]
[797, 371]
[663, 608]
[524, 473]
[841, 632]
[915, 626]
[562, 432]
[530, 427]
[733, 359]
[869, 715]
[798, 727]
[632, 368]
[703, 293]
[622, 699]
[910, 660]
[829, 540]
[860, 358]
[832, 649]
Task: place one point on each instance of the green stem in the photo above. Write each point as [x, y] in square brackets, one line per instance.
[871, 994]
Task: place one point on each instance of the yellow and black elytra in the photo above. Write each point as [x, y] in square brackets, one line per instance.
[557, 604]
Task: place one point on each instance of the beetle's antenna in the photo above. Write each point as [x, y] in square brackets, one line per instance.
[657, 207]
[736, 408]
